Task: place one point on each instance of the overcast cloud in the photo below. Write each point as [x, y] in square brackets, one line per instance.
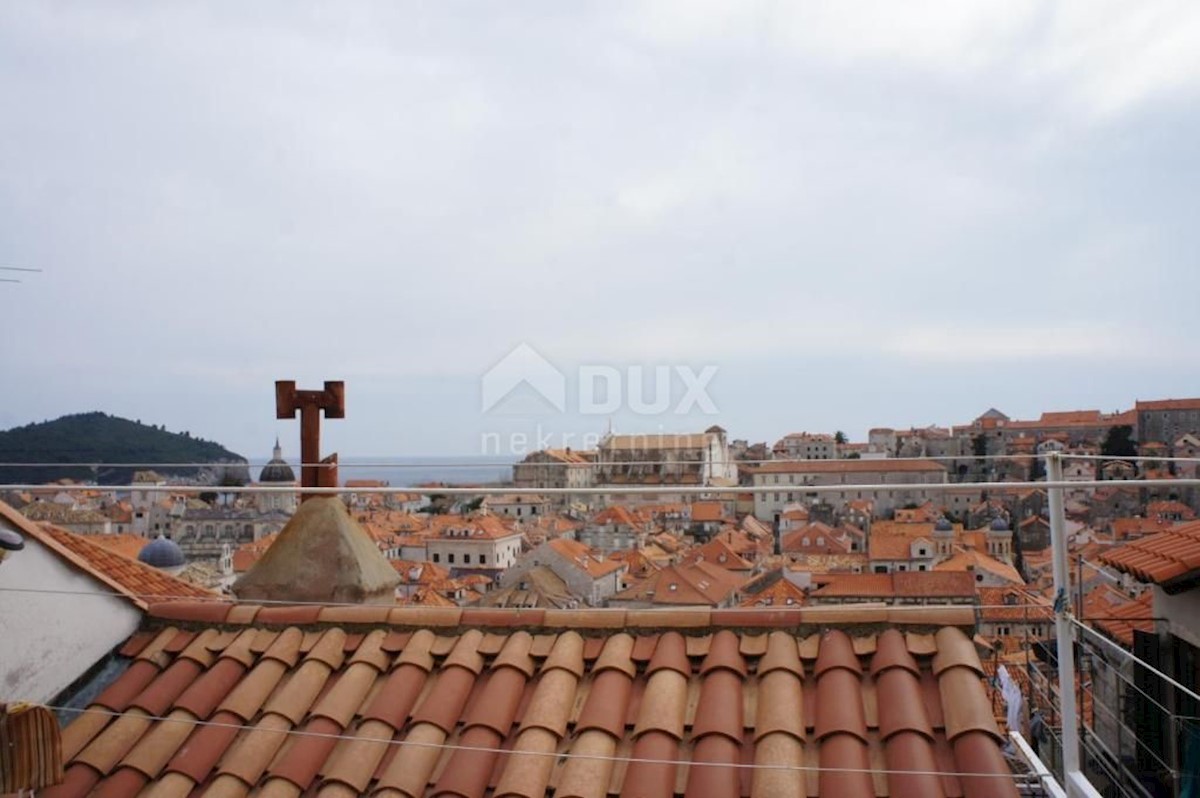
[861, 213]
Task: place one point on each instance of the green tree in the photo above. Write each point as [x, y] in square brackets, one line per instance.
[1037, 470]
[1018, 556]
[840, 438]
[1118, 442]
[979, 445]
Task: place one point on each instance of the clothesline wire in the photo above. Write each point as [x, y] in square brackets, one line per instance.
[226, 599]
[506, 462]
[635, 489]
[1133, 657]
[554, 754]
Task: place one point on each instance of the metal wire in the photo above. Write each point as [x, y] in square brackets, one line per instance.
[218, 598]
[554, 754]
[600, 464]
[1131, 656]
[633, 490]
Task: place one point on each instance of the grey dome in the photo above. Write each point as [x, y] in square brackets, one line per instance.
[999, 525]
[277, 471]
[162, 553]
[943, 525]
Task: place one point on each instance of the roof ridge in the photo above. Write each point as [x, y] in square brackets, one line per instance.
[867, 618]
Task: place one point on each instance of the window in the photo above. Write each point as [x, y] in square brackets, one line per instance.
[437, 557]
[483, 559]
[450, 557]
[466, 559]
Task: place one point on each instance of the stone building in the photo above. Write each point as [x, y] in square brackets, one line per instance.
[807, 446]
[556, 469]
[789, 481]
[590, 576]
[1166, 420]
[478, 544]
[666, 458]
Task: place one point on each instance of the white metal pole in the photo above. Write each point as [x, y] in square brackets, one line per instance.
[1062, 625]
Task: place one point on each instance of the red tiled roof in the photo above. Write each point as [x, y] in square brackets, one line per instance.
[366, 483]
[1169, 404]
[245, 555]
[1161, 557]
[585, 558]
[616, 514]
[426, 596]
[781, 594]
[902, 584]
[699, 584]
[1164, 508]
[973, 558]
[125, 544]
[1122, 618]
[707, 511]
[481, 527]
[138, 582]
[379, 691]
[718, 552]
[1011, 604]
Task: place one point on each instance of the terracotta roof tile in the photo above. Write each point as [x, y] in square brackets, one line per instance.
[721, 695]
[140, 583]
[1161, 558]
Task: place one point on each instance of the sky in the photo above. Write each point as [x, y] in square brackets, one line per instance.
[808, 216]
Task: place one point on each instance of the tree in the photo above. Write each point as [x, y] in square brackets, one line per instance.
[230, 479]
[1018, 556]
[1037, 470]
[840, 438]
[979, 445]
[1118, 442]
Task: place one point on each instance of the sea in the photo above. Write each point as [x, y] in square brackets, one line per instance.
[405, 471]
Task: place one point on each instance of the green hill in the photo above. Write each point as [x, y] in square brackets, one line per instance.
[101, 438]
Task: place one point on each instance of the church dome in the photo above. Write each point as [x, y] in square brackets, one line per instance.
[999, 525]
[943, 525]
[277, 469]
[162, 553]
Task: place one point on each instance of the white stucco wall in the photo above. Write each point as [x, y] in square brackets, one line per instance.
[49, 640]
[1182, 612]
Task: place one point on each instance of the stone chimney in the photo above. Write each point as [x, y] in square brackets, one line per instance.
[322, 555]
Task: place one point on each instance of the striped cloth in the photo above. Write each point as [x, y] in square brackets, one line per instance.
[30, 748]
